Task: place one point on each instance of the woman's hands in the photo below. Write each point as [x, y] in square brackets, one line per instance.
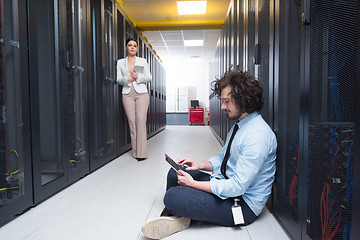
[133, 76]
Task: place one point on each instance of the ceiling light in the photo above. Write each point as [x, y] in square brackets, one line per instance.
[194, 59]
[191, 7]
[193, 43]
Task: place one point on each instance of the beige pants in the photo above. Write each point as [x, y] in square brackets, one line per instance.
[136, 106]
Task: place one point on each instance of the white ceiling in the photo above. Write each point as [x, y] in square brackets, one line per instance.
[169, 43]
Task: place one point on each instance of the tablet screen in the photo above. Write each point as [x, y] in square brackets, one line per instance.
[172, 163]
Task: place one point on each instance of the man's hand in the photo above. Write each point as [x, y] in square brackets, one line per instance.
[192, 165]
[185, 179]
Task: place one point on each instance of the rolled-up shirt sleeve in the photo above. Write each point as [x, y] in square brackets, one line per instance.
[216, 163]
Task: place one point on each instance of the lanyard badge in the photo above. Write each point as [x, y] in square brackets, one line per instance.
[237, 212]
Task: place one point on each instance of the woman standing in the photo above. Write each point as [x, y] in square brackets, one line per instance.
[133, 73]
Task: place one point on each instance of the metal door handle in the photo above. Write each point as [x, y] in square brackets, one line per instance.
[9, 42]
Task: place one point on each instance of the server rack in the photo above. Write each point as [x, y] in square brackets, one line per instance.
[157, 95]
[123, 134]
[48, 97]
[214, 102]
[250, 34]
[332, 77]
[102, 128]
[356, 169]
[261, 54]
[224, 59]
[152, 94]
[287, 115]
[239, 28]
[60, 57]
[148, 123]
[309, 46]
[77, 70]
[141, 46]
[58, 94]
[16, 191]
[128, 34]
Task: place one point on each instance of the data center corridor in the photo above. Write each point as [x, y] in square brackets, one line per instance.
[113, 202]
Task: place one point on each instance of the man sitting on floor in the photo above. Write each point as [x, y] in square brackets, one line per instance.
[242, 173]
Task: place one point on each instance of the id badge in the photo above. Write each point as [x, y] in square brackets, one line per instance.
[237, 212]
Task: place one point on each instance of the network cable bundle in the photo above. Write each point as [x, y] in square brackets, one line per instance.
[332, 128]
[330, 174]
[10, 180]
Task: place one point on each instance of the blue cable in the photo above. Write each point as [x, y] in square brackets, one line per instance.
[338, 110]
[337, 106]
[349, 182]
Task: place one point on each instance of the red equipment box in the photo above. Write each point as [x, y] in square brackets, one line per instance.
[196, 115]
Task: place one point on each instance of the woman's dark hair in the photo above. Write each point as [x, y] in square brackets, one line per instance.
[246, 92]
[131, 39]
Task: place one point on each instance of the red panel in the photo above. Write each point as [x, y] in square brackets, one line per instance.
[196, 115]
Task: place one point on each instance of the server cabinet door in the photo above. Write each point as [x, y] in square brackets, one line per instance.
[157, 93]
[331, 130]
[239, 37]
[128, 34]
[250, 34]
[48, 88]
[141, 47]
[287, 192]
[103, 141]
[109, 94]
[149, 87]
[261, 56]
[15, 161]
[152, 101]
[78, 162]
[123, 144]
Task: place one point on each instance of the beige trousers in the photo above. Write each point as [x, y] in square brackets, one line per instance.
[136, 107]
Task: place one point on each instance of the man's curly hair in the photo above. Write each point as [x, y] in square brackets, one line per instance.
[246, 92]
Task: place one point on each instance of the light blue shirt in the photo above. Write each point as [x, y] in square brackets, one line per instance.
[251, 165]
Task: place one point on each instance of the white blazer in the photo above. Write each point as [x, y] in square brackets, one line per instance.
[123, 74]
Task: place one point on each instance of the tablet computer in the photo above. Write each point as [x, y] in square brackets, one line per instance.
[139, 69]
[173, 164]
